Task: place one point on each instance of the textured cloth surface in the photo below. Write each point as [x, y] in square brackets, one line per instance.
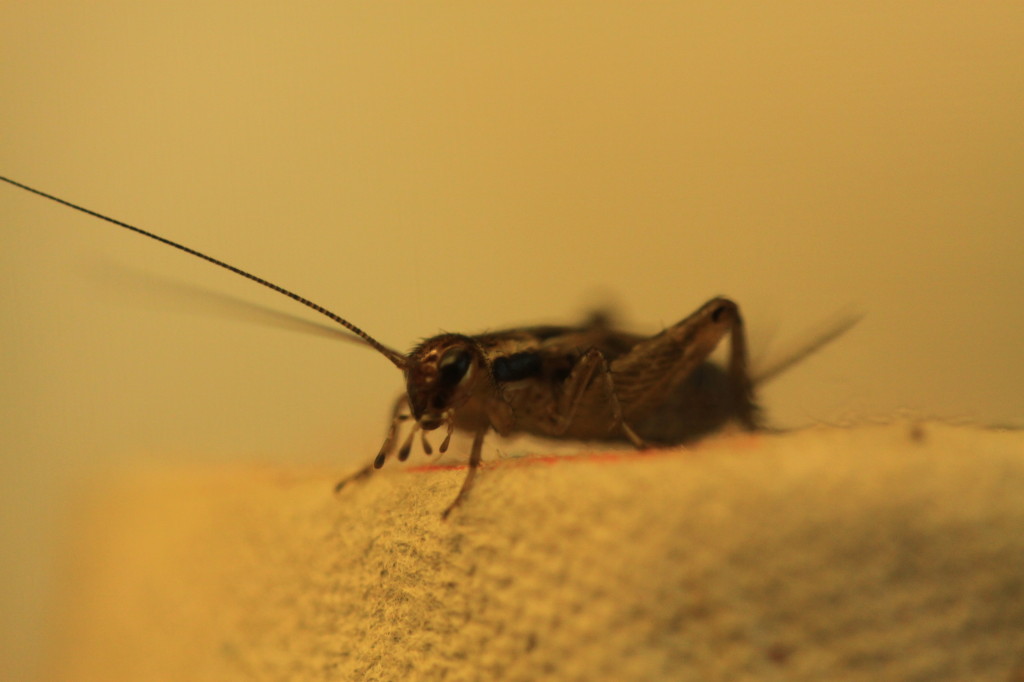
[892, 552]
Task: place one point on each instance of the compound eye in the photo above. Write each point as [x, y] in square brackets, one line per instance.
[453, 366]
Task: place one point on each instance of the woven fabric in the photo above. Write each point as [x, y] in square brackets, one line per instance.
[892, 553]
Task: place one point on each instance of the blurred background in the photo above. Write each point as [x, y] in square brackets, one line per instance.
[469, 166]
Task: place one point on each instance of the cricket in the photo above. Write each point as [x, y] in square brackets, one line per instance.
[588, 382]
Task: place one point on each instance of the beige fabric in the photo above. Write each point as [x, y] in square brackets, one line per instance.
[876, 553]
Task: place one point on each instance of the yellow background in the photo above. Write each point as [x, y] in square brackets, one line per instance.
[464, 166]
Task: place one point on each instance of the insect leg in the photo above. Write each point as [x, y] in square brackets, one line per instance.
[670, 392]
[474, 464]
[397, 417]
[589, 395]
[738, 370]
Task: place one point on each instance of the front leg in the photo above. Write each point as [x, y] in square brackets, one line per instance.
[475, 456]
[398, 415]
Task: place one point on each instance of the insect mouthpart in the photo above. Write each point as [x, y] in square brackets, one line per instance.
[429, 422]
[421, 426]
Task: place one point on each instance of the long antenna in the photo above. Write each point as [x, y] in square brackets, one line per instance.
[394, 356]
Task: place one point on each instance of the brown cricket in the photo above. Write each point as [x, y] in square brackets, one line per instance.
[586, 382]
